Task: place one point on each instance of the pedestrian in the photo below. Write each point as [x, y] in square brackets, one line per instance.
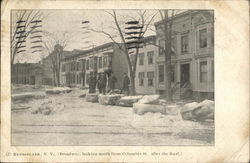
[92, 83]
[103, 83]
[112, 82]
[99, 83]
[126, 82]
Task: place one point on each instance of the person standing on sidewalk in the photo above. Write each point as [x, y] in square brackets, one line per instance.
[126, 82]
[112, 81]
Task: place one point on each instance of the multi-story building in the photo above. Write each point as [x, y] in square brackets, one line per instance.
[26, 73]
[145, 67]
[192, 54]
[108, 57]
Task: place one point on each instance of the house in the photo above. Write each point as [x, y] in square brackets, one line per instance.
[145, 68]
[192, 54]
[108, 57]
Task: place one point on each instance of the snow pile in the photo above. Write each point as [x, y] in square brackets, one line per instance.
[144, 108]
[27, 96]
[172, 109]
[198, 111]
[47, 107]
[92, 97]
[111, 99]
[128, 101]
[149, 99]
[58, 90]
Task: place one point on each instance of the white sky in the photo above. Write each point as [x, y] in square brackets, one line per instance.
[59, 21]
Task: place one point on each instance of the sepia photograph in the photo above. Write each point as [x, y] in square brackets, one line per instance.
[112, 77]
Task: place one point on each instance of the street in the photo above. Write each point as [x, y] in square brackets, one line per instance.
[76, 122]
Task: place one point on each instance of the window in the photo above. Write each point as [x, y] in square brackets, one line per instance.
[203, 38]
[77, 66]
[203, 71]
[150, 76]
[141, 59]
[173, 45]
[161, 47]
[150, 57]
[87, 64]
[105, 61]
[100, 62]
[161, 73]
[184, 43]
[141, 78]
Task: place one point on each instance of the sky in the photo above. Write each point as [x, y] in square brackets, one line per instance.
[59, 22]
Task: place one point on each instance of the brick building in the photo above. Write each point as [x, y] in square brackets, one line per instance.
[77, 67]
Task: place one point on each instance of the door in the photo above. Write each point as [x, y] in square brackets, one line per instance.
[185, 74]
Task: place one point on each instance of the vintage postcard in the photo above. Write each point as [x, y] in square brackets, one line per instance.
[124, 81]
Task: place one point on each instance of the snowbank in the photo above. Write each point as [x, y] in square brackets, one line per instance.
[47, 107]
[27, 96]
[144, 108]
[149, 99]
[198, 111]
[58, 90]
[128, 101]
[111, 99]
[92, 97]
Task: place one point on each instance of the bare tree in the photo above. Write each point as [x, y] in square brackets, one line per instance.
[145, 21]
[167, 18]
[54, 44]
[26, 18]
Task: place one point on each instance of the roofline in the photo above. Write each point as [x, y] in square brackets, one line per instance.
[193, 11]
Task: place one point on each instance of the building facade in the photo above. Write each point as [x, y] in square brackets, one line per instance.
[77, 68]
[145, 82]
[192, 56]
[26, 73]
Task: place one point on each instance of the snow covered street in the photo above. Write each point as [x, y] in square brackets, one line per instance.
[74, 121]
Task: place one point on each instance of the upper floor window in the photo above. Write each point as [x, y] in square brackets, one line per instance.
[150, 57]
[105, 61]
[87, 64]
[161, 47]
[203, 71]
[141, 59]
[184, 43]
[203, 38]
[100, 62]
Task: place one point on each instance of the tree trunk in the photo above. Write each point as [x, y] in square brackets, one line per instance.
[132, 83]
[168, 36]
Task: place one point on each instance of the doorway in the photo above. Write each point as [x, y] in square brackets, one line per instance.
[185, 74]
